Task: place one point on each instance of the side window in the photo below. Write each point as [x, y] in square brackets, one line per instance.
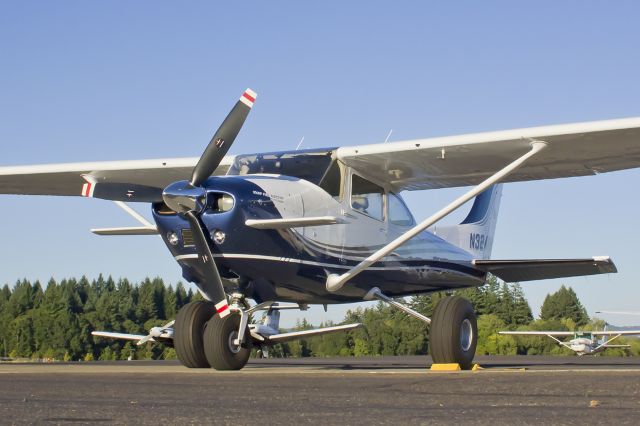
[399, 214]
[331, 182]
[366, 197]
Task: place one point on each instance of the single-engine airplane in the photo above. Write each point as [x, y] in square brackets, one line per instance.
[323, 226]
[583, 342]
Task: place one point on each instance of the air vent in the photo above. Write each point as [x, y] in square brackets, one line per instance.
[187, 237]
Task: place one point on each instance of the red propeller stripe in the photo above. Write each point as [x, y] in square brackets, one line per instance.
[248, 97]
[222, 309]
[86, 189]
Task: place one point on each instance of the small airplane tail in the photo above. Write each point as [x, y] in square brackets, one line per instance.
[475, 233]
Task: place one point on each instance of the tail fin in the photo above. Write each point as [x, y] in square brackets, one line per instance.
[475, 233]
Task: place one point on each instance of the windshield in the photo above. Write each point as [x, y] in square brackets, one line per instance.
[308, 165]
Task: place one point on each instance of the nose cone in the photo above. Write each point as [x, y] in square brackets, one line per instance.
[182, 197]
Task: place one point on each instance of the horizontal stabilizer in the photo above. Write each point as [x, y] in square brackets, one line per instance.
[133, 230]
[542, 269]
[298, 222]
[285, 337]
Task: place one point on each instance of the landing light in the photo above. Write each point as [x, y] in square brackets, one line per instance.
[225, 203]
[172, 237]
[218, 236]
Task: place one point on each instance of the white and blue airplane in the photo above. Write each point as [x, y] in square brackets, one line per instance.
[282, 230]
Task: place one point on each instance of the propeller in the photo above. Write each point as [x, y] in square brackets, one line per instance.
[189, 198]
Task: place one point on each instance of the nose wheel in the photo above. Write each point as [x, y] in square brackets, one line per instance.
[220, 343]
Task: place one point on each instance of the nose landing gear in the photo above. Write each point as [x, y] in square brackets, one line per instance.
[221, 347]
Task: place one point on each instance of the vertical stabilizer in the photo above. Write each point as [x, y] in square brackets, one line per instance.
[475, 233]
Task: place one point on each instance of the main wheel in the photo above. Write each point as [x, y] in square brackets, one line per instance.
[221, 352]
[454, 332]
[187, 333]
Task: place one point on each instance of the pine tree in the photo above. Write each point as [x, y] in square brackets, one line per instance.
[170, 303]
[563, 304]
[146, 308]
[521, 310]
[504, 309]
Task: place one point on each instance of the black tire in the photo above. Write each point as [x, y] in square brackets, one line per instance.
[188, 331]
[218, 347]
[454, 332]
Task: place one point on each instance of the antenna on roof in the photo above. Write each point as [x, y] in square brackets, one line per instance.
[300, 143]
[388, 136]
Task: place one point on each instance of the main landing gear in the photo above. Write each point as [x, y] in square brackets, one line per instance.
[453, 333]
[188, 333]
[202, 338]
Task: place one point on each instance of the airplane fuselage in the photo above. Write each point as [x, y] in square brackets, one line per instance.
[584, 346]
[292, 264]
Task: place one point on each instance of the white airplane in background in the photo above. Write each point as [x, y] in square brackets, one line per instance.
[583, 342]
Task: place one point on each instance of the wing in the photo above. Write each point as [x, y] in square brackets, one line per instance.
[574, 150]
[615, 332]
[528, 270]
[579, 149]
[538, 333]
[131, 180]
[113, 335]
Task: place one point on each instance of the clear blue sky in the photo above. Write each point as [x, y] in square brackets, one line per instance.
[84, 81]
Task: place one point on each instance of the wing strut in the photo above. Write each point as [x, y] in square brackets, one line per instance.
[335, 281]
[560, 342]
[147, 227]
[375, 293]
[606, 342]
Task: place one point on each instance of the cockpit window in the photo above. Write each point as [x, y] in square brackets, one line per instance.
[399, 214]
[366, 197]
[311, 165]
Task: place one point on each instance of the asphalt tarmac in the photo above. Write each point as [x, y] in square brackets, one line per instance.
[383, 390]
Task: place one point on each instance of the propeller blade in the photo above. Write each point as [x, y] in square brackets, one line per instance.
[213, 283]
[223, 138]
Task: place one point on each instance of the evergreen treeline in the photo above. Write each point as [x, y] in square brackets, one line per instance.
[56, 321]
